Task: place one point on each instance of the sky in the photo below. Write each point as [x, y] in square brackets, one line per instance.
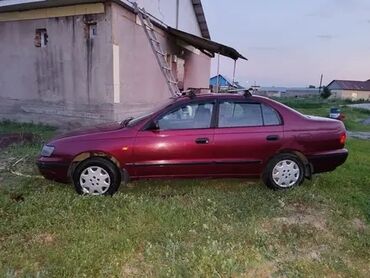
[292, 42]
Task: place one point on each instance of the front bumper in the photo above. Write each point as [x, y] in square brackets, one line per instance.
[53, 169]
[327, 161]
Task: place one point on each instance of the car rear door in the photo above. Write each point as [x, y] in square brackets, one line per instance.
[181, 146]
[248, 133]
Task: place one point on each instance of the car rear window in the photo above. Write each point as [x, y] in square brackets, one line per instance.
[233, 114]
[270, 116]
[244, 114]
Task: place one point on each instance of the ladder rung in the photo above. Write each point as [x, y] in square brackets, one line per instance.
[154, 40]
[172, 82]
[148, 24]
[161, 53]
[166, 68]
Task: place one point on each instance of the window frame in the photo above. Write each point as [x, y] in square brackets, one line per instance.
[178, 106]
[220, 101]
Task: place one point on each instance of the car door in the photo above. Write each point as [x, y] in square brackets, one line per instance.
[247, 134]
[180, 145]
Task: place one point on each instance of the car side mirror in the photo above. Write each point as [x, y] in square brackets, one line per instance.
[153, 126]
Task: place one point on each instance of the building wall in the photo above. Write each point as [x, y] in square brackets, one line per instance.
[80, 80]
[142, 84]
[350, 94]
[165, 10]
[68, 80]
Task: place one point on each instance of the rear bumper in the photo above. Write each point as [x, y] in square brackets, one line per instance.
[53, 170]
[327, 161]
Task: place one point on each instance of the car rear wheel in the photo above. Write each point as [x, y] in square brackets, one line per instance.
[284, 171]
[96, 176]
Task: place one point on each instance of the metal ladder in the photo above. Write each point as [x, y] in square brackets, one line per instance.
[158, 51]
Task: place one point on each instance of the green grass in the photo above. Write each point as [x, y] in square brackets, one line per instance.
[320, 107]
[185, 228]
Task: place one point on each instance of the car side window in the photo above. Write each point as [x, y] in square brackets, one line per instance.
[189, 116]
[234, 114]
[270, 116]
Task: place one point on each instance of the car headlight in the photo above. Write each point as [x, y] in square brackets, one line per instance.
[47, 150]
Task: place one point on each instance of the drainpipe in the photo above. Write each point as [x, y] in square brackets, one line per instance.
[177, 13]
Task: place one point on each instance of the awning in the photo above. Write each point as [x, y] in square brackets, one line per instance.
[207, 46]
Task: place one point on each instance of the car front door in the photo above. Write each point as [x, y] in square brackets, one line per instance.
[248, 134]
[178, 143]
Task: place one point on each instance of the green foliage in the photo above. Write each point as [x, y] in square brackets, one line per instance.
[325, 93]
[321, 107]
[187, 228]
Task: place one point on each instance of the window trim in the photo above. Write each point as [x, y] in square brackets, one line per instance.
[179, 105]
[220, 101]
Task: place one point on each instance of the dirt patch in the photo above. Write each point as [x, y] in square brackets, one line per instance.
[136, 266]
[45, 238]
[300, 214]
[15, 138]
[359, 225]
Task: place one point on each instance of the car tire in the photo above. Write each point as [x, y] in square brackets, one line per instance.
[284, 171]
[96, 176]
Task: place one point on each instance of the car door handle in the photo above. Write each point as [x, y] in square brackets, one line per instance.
[202, 140]
[272, 137]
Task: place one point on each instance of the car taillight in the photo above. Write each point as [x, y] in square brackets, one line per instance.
[342, 138]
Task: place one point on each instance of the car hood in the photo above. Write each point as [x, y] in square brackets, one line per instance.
[90, 130]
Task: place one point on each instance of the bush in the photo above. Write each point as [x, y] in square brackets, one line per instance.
[325, 93]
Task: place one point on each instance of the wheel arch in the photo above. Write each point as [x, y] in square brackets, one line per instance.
[308, 168]
[89, 154]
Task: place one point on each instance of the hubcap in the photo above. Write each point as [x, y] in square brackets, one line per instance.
[286, 173]
[94, 180]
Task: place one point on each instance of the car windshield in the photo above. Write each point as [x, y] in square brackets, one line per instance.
[131, 121]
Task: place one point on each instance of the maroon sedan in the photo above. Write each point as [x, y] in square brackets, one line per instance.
[218, 136]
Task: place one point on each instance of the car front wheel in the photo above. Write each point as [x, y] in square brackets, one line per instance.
[96, 176]
[284, 171]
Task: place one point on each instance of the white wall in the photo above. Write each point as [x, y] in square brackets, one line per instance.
[165, 10]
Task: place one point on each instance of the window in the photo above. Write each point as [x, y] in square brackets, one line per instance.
[190, 116]
[270, 116]
[41, 38]
[93, 31]
[233, 114]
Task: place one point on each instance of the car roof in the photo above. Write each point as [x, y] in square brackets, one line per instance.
[221, 96]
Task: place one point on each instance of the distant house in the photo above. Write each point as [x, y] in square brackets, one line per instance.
[346, 89]
[223, 83]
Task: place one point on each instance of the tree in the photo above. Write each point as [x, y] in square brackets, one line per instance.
[325, 92]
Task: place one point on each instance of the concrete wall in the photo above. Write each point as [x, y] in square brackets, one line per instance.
[75, 79]
[68, 80]
[142, 84]
[350, 94]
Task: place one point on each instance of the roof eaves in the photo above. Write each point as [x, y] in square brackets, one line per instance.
[201, 18]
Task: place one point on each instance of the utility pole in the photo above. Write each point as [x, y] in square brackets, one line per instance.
[320, 84]
[218, 73]
[234, 73]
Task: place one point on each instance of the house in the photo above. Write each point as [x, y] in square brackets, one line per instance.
[348, 89]
[89, 61]
[223, 83]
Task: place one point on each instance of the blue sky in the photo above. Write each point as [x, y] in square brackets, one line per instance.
[291, 42]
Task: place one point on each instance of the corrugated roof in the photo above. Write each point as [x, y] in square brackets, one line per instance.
[205, 45]
[352, 85]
